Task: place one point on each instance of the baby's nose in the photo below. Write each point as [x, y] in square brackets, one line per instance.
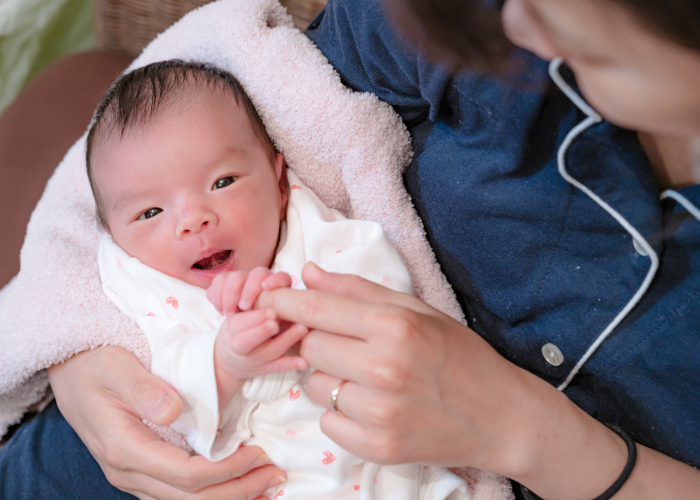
[194, 219]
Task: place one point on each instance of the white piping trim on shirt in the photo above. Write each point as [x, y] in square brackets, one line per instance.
[592, 119]
[670, 193]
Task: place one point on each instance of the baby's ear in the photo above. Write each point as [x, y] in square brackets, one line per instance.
[102, 222]
[280, 166]
[281, 172]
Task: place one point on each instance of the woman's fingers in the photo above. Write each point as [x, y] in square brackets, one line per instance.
[151, 458]
[349, 285]
[98, 392]
[361, 410]
[247, 487]
[145, 394]
[138, 449]
[319, 310]
[344, 357]
[363, 307]
[320, 386]
[353, 286]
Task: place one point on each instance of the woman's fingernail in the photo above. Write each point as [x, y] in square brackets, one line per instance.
[386, 373]
[260, 461]
[276, 481]
[162, 405]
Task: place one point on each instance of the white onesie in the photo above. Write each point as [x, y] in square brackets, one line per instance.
[271, 411]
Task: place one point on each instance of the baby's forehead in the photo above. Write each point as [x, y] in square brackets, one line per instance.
[179, 100]
[186, 106]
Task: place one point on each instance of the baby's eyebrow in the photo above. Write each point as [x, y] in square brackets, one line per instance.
[226, 153]
[124, 199]
[120, 201]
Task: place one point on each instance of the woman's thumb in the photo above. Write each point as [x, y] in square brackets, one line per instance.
[162, 407]
[152, 398]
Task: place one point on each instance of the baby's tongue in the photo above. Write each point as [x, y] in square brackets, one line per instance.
[213, 261]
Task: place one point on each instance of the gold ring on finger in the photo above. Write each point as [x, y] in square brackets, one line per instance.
[334, 398]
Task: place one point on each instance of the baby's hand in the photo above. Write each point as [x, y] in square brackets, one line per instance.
[249, 344]
[238, 290]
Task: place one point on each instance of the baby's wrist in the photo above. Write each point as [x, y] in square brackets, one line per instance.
[227, 385]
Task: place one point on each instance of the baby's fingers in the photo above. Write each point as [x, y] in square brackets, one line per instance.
[253, 287]
[246, 336]
[279, 345]
[225, 291]
[277, 280]
[284, 364]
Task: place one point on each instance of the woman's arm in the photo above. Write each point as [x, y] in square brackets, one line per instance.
[424, 388]
[104, 394]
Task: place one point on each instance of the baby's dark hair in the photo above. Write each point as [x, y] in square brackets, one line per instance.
[136, 98]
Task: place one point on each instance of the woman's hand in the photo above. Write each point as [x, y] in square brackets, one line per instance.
[424, 388]
[105, 393]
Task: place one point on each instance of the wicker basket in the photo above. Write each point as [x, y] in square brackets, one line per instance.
[128, 25]
[303, 11]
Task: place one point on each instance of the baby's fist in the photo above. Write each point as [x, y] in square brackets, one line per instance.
[238, 290]
[250, 344]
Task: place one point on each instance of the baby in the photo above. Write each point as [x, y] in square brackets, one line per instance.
[193, 196]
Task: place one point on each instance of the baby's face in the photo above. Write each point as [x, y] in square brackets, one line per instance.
[194, 193]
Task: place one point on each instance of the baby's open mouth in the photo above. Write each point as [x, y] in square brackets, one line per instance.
[213, 261]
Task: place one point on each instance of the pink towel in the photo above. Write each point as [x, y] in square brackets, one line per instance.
[350, 148]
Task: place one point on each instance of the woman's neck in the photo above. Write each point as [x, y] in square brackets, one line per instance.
[675, 160]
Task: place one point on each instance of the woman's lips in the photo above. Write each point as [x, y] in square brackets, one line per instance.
[214, 264]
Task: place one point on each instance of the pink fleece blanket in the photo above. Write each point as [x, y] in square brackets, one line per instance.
[350, 148]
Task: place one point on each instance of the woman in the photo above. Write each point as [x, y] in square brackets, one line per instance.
[542, 268]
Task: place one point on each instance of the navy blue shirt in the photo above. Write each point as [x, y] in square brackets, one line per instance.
[532, 259]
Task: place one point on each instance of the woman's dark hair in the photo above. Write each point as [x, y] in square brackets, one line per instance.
[468, 33]
[676, 20]
[457, 33]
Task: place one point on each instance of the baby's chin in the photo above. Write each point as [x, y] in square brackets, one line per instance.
[194, 280]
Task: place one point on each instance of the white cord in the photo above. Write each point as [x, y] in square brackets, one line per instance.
[592, 119]
[670, 193]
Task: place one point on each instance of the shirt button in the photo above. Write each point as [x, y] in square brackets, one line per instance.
[639, 248]
[552, 354]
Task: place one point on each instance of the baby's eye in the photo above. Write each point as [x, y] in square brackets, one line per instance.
[223, 182]
[151, 212]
